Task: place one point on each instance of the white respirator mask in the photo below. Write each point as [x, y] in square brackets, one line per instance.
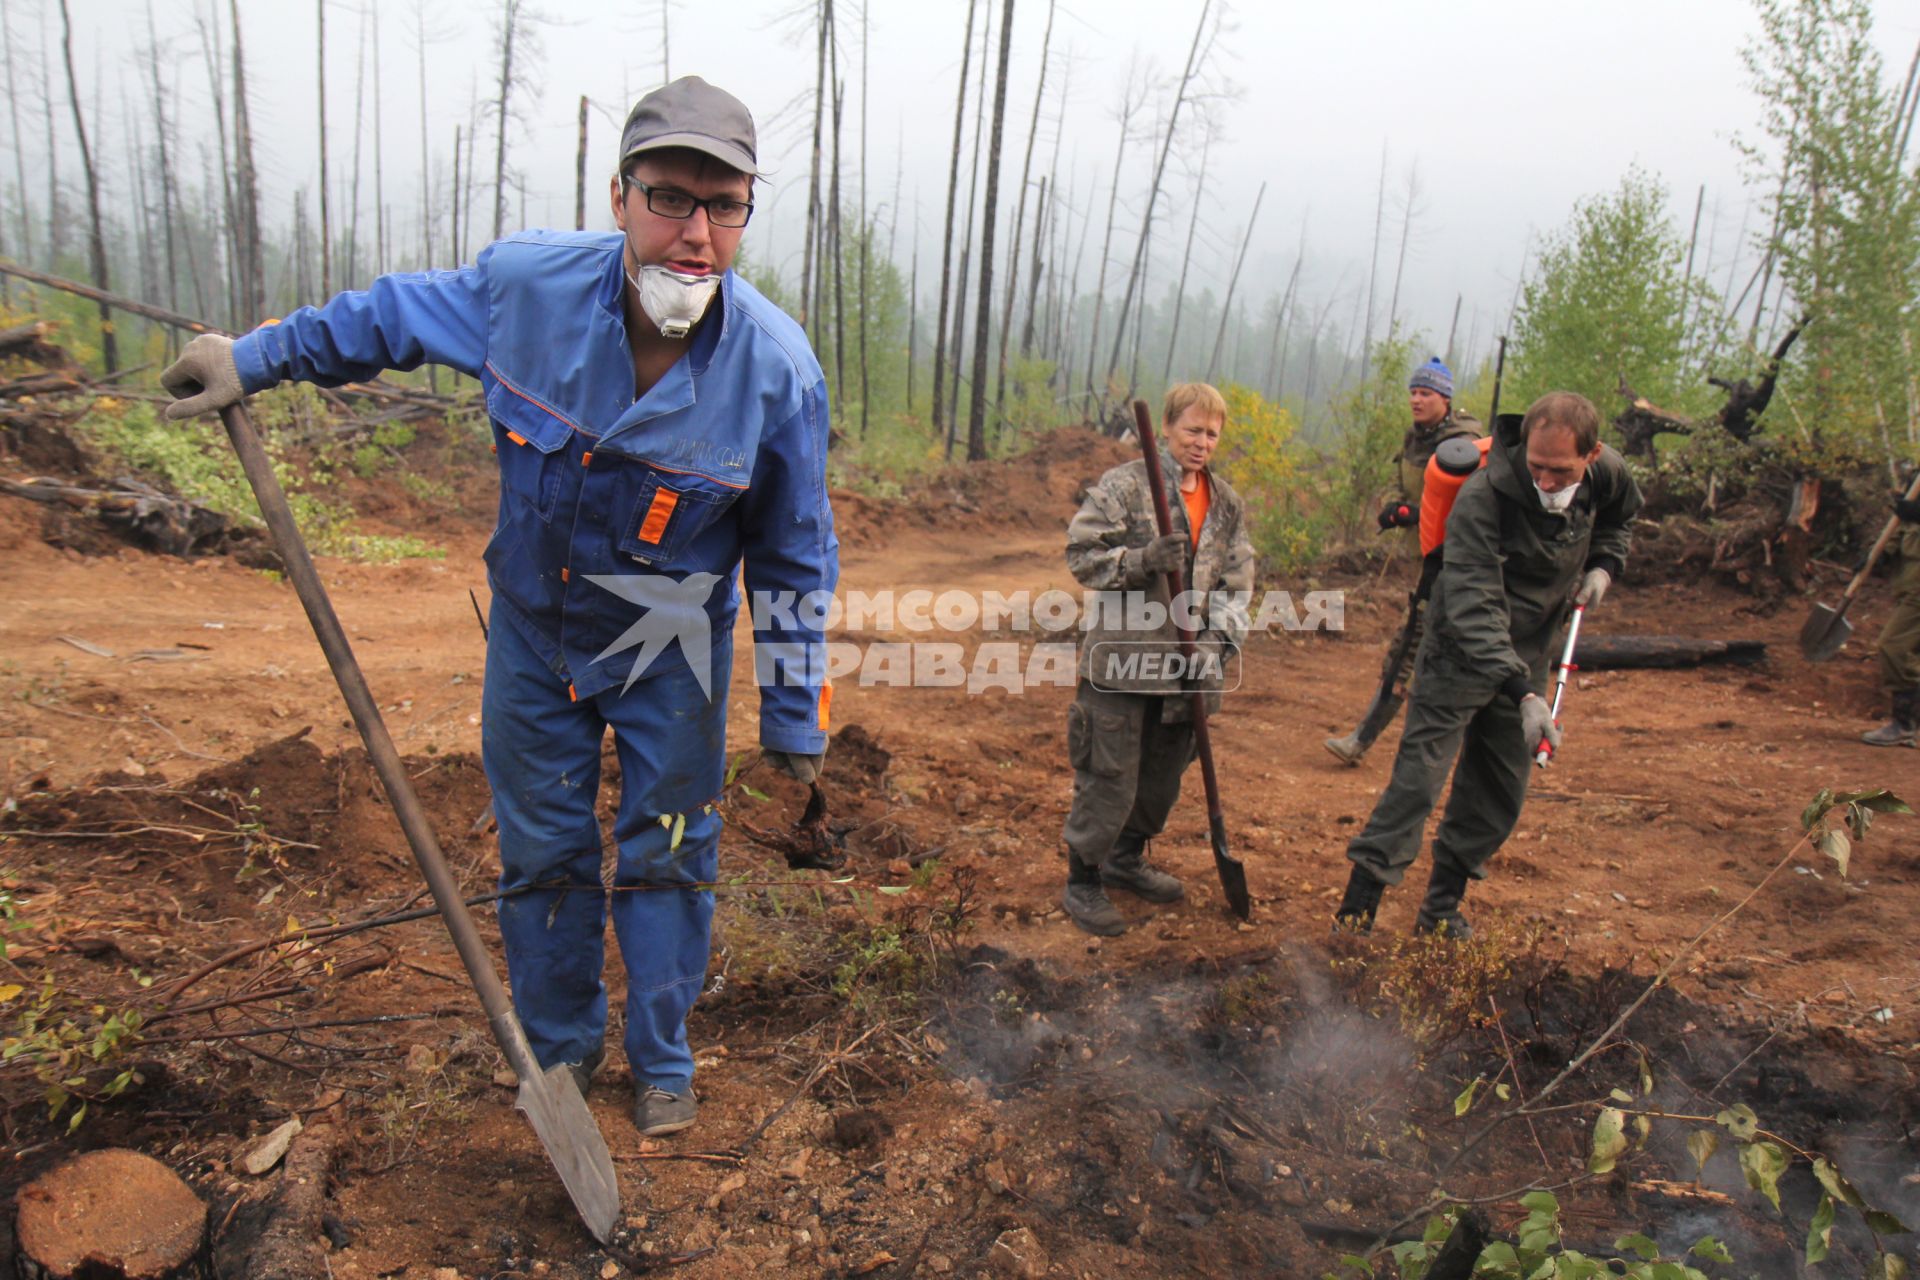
[673, 300]
[1559, 502]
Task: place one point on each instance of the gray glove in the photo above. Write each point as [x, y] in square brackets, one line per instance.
[800, 768]
[1162, 555]
[1593, 587]
[204, 379]
[1536, 723]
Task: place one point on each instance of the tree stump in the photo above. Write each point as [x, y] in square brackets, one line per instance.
[110, 1215]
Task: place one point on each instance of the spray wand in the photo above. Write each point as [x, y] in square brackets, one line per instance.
[1544, 752]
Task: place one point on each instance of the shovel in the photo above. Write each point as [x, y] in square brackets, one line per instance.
[1826, 629]
[549, 1099]
[1233, 874]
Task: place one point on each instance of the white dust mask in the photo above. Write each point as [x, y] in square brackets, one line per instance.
[673, 300]
[1556, 502]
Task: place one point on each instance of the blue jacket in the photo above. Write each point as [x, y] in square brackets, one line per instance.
[607, 502]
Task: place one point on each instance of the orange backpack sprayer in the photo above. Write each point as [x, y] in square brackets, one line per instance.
[1447, 470]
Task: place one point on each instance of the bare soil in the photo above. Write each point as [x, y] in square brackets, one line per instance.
[889, 1082]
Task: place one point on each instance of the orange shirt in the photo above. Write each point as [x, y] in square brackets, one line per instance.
[1198, 500]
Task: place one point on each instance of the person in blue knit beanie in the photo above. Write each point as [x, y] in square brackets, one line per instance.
[1430, 399]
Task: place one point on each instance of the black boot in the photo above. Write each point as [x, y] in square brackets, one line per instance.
[1362, 900]
[1903, 730]
[1440, 910]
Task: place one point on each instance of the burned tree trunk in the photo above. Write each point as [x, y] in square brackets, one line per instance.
[1641, 420]
[326, 220]
[253, 267]
[1196, 55]
[977, 402]
[96, 238]
[946, 239]
[1019, 220]
[807, 286]
[1614, 653]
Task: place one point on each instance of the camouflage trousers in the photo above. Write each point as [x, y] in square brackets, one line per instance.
[1489, 787]
[1127, 763]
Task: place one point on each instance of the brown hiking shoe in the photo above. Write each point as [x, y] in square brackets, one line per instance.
[584, 1070]
[1129, 870]
[658, 1111]
[1902, 729]
[1892, 734]
[1346, 750]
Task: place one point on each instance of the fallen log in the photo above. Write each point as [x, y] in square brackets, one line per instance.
[178, 320]
[281, 1238]
[1604, 653]
[141, 514]
[111, 1215]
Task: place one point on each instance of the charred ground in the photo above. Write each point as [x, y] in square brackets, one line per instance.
[891, 1081]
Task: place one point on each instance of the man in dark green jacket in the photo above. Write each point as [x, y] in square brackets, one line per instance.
[1542, 526]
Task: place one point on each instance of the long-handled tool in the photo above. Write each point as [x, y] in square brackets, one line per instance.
[1544, 752]
[550, 1099]
[1827, 629]
[1233, 873]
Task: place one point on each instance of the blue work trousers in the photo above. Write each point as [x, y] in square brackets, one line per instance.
[541, 750]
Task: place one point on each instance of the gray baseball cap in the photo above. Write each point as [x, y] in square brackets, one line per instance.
[691, 113]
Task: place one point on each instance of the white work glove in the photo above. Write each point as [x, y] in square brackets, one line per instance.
[801, 768]
[1536, 724]
[204, 379]
[1593, 587]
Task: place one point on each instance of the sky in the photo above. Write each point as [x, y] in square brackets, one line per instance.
[1508, 112]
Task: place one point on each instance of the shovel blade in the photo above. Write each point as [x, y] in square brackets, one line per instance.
[1824, 634]
[552, 1104]
[1233, 872]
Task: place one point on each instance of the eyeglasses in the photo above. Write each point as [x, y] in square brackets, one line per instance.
[722, 211]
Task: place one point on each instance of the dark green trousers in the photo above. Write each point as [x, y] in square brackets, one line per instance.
[1489, 786]
[1900, 638]
[1127, 765]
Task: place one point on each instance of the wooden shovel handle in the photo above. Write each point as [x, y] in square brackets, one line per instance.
[1880, 543]
[373, 731]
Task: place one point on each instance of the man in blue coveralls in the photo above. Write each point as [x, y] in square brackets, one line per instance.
[656, 419]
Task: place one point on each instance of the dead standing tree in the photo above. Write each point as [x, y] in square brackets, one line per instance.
[946, 239]
[1196, 59]
[326, 217]
[977, 402]
[956, 343]
[1020, 217]
[253, 259]
[1132, 97]
[1186, 255]
[1226, 307]
[807, 283]
[96, 237]
[517, 39]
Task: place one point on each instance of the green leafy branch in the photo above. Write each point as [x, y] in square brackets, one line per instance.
[1538, 1252]
[1764, 1156]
